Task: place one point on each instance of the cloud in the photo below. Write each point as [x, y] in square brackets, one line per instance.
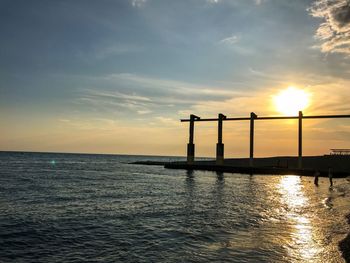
[323, 101]
[173, 87]
[123, 95]
[230, 40]
[109, 101]
[235, 44]
[334, 32]
[120, 94]
[142, 112]
[213, 1]
[327, 102]
[126, 96]
[138, 3]
[167, 121]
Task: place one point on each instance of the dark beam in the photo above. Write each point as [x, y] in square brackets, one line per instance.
[253, 116]
[273, 118]
[326, 116]
[300, 140]
[190, 145]
[220, 145]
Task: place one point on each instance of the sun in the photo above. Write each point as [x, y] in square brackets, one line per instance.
[291, 100]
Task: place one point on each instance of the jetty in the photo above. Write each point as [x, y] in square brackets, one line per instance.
[338, 160]
[253, 117]
[282, 165]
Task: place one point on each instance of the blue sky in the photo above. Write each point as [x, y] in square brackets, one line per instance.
[116, 75]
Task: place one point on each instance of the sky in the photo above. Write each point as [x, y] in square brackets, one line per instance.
[116, 76]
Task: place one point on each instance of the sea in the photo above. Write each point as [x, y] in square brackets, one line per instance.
[57, 207]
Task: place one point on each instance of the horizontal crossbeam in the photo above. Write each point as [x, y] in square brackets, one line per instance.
[273, 118]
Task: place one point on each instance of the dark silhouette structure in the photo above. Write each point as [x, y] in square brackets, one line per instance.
[330, 176]
[190, 145]
[253, 117]
[316, 175]
[220, 145]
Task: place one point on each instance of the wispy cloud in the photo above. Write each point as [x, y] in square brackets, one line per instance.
[236, 44]
[213, 1]
[261, 101]
[120, 95]
[327, 102]
[142, 112]
[164, 101]
[138, 3]
[173, 86]
[334, 32]
[230, 40]
[167, 121]
[108, 101]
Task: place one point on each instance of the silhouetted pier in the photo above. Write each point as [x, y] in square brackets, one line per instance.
[339, 159]
[253, 117]
[268, 165]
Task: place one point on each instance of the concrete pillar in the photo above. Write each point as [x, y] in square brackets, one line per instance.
[190, 145]
[300, 140]
[220, 145]
[251, 155]
[190, 153]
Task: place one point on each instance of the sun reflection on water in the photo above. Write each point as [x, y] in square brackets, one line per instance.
[302, 244]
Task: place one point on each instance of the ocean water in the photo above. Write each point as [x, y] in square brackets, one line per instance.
[99, 208]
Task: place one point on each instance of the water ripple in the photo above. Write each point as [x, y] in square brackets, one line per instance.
[97, 208]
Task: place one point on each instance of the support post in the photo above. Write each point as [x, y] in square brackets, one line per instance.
[251, 155]
[300, 140]
[190, 145]
[220, 145]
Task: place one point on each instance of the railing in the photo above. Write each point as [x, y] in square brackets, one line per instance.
[340, 152]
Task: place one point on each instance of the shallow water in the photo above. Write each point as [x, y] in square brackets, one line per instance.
[98, 208]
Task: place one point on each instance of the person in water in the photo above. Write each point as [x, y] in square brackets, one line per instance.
[317, 174]
[330, 176]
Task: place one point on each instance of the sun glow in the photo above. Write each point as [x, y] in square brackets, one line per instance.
[291, 100]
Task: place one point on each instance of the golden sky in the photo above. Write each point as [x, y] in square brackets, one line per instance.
[118, 78]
